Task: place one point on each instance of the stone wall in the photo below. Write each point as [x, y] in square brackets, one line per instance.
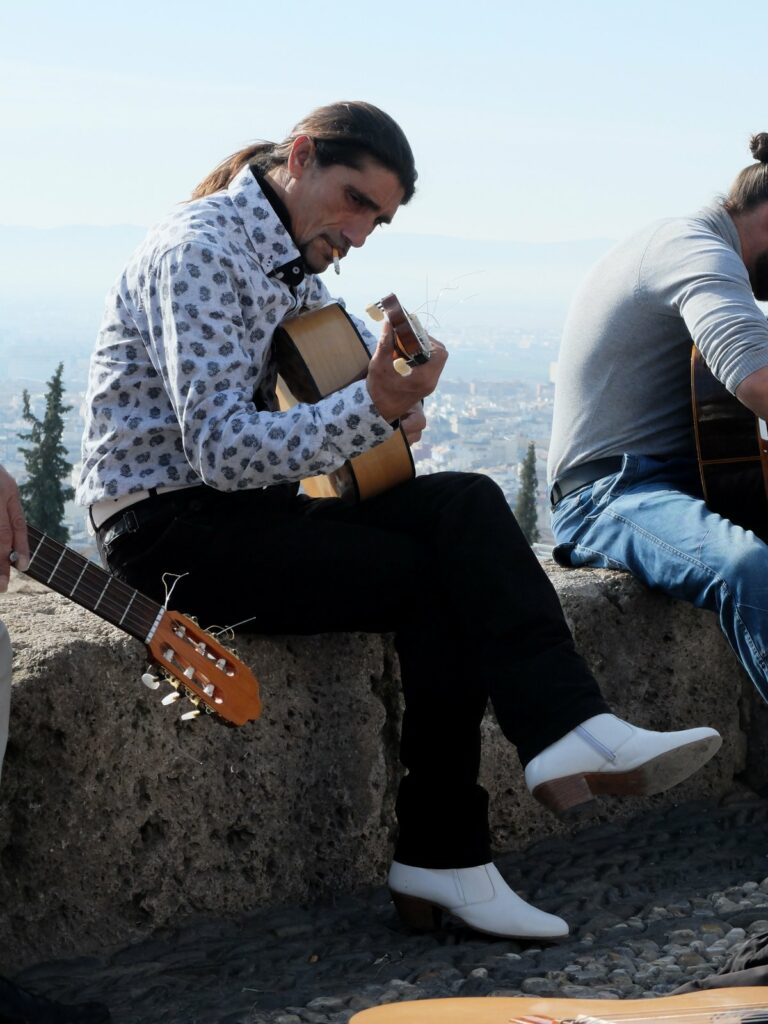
[117, 818]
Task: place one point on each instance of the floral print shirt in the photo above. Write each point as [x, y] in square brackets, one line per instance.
[182, 380]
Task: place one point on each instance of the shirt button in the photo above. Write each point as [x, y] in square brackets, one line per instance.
[296, 270]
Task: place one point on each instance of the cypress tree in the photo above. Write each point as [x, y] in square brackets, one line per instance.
[43, 494]
[525, 506]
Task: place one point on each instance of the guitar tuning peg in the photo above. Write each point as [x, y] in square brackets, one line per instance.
[150, 681]
[171, 698]
[189, 715]
[189, 672]
[221, 664]
[209, 689]
[202, 647]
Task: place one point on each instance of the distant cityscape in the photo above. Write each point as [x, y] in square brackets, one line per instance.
[481, 418]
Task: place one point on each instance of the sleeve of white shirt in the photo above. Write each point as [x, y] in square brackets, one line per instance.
[210, 354]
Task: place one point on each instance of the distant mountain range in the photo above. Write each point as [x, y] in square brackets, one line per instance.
[486, 282]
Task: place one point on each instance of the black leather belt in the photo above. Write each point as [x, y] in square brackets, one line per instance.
[578, 477]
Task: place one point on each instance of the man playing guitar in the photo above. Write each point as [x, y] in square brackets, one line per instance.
[626, 487]
[190, 468]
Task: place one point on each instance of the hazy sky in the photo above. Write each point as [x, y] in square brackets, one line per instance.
[530, 121]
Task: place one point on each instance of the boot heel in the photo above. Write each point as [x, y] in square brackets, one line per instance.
[415, 913]
[566, 797]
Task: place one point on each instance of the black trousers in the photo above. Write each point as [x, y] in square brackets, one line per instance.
[441, 562]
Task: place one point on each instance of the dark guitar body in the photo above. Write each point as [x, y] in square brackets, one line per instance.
[732, 452]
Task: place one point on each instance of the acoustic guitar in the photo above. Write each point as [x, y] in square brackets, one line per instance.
[320, 352]
[732, 450]
[196, 665]
[713, 1006]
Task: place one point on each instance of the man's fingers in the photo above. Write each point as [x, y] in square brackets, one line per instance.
[386, 338]
[19, 538]
[413, 423]
[13, 529]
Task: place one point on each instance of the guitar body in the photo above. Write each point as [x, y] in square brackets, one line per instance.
[732, 449]
[724, 1005]
[318, 353]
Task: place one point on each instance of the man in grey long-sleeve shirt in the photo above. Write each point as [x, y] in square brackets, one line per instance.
[625, 484]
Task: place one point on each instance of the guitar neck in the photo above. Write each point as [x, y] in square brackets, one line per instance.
[87, 584]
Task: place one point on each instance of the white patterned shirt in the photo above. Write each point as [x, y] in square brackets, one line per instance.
[181, 387]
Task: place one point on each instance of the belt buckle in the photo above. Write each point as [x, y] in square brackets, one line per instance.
[127, 523]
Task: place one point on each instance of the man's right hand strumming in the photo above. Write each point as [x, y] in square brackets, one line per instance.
[393, 394]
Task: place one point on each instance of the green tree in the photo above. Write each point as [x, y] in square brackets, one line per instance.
[525, 506]
[43, 494]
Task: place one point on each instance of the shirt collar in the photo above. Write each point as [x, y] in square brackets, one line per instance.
[267, 229]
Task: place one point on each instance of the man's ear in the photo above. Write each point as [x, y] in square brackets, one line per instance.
[302, 154]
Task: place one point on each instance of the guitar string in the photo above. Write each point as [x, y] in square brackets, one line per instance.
[87, 581]
[143, 611]
[118, 595]
[105, 593]
[145, 622]
[218, 631]
[93, 579]
[704, 1012]
[115, 601]
[169, 590]
[450, 286]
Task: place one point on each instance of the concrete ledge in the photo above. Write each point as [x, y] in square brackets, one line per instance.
[116, 818]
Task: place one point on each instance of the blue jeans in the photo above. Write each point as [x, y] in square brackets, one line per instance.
[650, 519]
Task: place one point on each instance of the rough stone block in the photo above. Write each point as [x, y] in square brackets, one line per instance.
[116, 818]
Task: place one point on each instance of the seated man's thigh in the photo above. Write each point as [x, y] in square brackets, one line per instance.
[671, 540]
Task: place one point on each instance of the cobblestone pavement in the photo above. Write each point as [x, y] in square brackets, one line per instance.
[652, 903]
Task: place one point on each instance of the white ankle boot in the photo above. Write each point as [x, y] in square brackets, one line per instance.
[479, 897]
[606, 755]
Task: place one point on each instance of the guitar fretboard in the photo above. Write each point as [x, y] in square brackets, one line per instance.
[86, 583]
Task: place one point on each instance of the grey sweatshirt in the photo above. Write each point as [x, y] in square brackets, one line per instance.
[623, 376]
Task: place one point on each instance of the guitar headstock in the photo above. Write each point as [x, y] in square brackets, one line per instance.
[412, 342]
[200, 668]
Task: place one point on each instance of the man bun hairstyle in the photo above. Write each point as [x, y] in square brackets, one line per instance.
[348, 133]
[751, 185]
[758, 147]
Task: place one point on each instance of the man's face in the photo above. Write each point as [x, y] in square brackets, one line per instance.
[337, 207]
